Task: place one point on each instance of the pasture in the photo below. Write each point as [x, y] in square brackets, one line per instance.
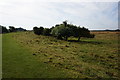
[26, 55]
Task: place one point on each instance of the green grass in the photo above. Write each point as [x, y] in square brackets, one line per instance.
[18, 62]
[28, 55]
[0, 56]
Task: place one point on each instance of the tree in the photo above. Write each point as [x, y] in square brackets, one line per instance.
[65, 32]
[51, 27]
[38, 31]
[117, 30]
[3, 29]
[56, 31]
[61, 32]
[57, 25]
[82, 32]
[12, 29]
[74, 29]
[46, 32]
[65, 23]
[41, 29]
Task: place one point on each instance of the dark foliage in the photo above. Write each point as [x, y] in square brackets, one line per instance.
[41, 30]
[117, 30]
[3, 29]
[63, 31]
[65, 23]
[12, 29]
[57, 25]
[46, 32]
[20, 29]
[37, 30]
[51, 27]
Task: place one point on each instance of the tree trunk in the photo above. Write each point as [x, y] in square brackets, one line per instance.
[79, 38]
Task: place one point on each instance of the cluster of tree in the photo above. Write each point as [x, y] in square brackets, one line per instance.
[3, 29]
[11, 29]
[117, 30]
[64, 30]
[42, 31]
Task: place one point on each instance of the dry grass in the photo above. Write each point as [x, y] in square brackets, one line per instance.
[105, 32]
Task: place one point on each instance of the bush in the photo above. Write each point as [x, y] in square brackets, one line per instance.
[38, 31]
[3, 29]
[61, 32]
[46, 32]
[12, 29]
[66, 30]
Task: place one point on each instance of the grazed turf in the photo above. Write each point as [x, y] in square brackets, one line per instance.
[0, 56]
[18, 62]
[93, 58]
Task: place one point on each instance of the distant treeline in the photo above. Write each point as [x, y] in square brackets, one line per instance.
[63, 31]
[105, 30]
[11, 29]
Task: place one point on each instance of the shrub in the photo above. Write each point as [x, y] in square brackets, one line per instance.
[38, 31]
[61, 32]
[12, 29]
[46, 32]
[3, 29]
[66, 30]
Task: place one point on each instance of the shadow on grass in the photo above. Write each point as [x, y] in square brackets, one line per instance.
[86, 42]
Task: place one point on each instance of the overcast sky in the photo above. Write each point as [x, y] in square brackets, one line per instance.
[29, 13]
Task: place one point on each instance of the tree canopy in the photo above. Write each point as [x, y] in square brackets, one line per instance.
[63, 31]
[3, 29]
[37, 30]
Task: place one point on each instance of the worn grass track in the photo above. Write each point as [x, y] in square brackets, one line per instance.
[18, 62]
[89, 58]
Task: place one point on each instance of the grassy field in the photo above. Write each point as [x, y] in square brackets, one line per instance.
[0, 56]
[26, 55]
